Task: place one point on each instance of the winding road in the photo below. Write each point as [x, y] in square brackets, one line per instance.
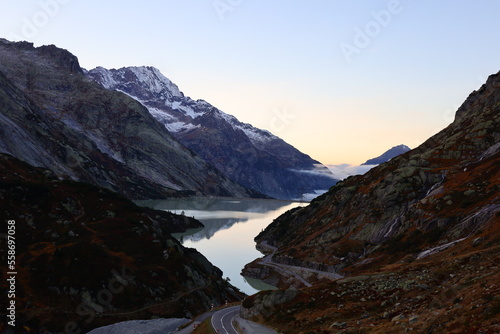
[292, 270]
[222, 321]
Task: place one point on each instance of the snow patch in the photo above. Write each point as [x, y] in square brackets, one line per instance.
[180, 126]
[107, 79]
[438, 249]
[186, 110]
[257, 136]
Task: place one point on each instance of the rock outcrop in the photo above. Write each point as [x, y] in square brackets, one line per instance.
[254, 306]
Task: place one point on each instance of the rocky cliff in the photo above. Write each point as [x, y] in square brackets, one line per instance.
[86, 257]
[53, 116]
[249, 156]
[420, 232]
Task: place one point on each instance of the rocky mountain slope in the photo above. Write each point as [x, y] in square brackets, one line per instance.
[249, 156]
[417, 239]
[87, 257]
[387, 155]
[53, 116]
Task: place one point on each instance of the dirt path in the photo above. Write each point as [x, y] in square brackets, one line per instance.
[293, 270]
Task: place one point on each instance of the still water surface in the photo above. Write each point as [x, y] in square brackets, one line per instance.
[230, 227]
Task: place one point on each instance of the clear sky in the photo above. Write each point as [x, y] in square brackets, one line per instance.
[341, 80]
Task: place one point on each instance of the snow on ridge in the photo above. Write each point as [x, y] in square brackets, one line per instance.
[183, 108]
[256, 135]
[108, 81]
[170, 122]
[155, 80]
[173, 98]
[147, 75]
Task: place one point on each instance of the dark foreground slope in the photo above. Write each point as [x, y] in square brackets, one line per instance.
[86, 257]
[417, 238]
[53, 116]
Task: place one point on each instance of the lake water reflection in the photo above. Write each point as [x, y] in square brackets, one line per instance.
[230, 227]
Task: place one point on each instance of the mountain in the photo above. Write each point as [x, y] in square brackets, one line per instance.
[86, 257]
[252, 157]
[388, 155]
[53, 116]
[416, 240]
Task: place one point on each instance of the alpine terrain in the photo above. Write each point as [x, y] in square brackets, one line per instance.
[411, 246]
[79, 254]
[86, 257]
[252, 157]
[53, 116]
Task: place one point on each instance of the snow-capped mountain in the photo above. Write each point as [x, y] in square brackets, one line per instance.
[53, 116]
[250, 156]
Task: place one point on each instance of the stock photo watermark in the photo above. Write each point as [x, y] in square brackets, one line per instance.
[223, 7]
[31, 25]
[11, 273]
[363, 36]
[281, 119]
[91, 306]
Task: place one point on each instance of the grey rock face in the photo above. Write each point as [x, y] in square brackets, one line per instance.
[53, 116]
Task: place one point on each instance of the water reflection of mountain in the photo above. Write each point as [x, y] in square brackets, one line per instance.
[215, 214]
[212, 226]
[214, 204]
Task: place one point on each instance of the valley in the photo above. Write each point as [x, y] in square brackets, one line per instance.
[132, 201]
[416, 239]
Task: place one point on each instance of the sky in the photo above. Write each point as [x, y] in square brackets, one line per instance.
[341, 80]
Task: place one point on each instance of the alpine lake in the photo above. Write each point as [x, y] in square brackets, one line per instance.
[227, 240]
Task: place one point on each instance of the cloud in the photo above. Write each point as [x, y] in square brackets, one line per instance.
[343, 171]
[318, 170]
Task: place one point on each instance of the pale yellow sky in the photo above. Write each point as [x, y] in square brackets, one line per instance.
[330, 130]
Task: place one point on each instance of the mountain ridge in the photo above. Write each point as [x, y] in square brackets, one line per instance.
[250, 156]
[387, 155]
[92, 134]
[420, 232]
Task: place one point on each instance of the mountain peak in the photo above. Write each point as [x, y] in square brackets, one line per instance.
[147, 76]
[250, 156]
[388, 155]
[61, 58]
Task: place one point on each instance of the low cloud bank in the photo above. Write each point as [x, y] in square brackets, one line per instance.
[338, 172]
[319, 170]
[343, 171]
